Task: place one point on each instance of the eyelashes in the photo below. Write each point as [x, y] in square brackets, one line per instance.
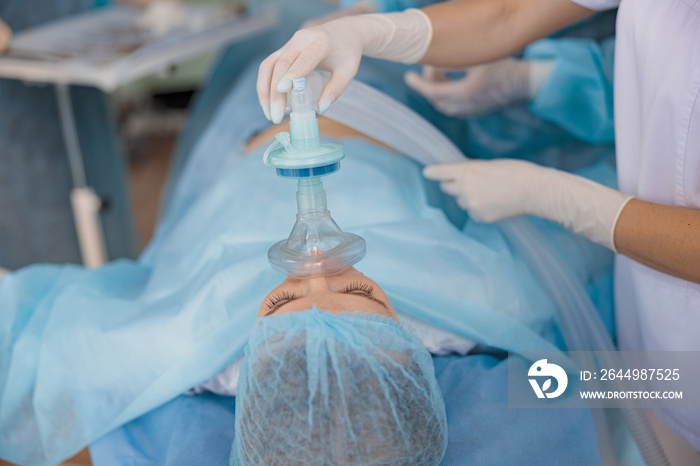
[364, 289]
[281, 297]
[284, 297]
[359, 286]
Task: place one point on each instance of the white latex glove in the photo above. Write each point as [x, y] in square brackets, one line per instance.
[337, 47]
[361, 8]
[484, 89]
[492, 190]
[5, 36]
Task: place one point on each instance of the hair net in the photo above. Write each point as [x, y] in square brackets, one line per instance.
[349, 388]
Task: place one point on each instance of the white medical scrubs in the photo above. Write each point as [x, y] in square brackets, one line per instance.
[657, 127]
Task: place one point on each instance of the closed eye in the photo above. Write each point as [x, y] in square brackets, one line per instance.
[365, 290]
[279, 300]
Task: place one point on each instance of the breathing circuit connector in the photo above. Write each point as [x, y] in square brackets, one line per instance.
[316, 245]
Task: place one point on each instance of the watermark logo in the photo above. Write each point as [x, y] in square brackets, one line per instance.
[541, 369]
[604, 379]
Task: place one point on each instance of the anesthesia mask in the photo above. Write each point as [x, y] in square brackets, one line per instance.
[316, 246]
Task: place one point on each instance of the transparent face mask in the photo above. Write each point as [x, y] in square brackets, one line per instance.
[316, 245]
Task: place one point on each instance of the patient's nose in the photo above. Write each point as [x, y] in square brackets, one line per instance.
[321, 283]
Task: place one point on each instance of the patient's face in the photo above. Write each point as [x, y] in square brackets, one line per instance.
[347, 291]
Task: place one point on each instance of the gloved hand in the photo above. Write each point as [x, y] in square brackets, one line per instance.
[484, 89]
[5, 36]
[337, 47]
[361, 8]
[492, 190]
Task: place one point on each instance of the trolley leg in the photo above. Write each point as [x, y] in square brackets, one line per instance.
[85, 202]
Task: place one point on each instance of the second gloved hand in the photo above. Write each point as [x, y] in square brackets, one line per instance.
[492, 190]
[484, 89]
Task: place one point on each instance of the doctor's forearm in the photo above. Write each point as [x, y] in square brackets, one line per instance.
[665, 238]
[477, 31]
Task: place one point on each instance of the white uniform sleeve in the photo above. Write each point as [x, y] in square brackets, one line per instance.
[598, 4]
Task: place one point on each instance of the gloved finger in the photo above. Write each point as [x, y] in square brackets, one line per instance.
[475, 211]
[443, 172]
[280, 84]
[463, 203]
[480, 212]
[433, 73]
[450, 107]
[451, 187]
[306, 62]
[417, 82]
[264, 80]
[335, 86]
[432, 89]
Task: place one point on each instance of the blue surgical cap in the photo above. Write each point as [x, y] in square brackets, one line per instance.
[350, 388]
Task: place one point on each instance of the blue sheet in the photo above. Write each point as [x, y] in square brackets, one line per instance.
[482, 429]
[578, 95]
[85, 351]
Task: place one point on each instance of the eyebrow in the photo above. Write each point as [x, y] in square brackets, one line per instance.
[276, 307]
